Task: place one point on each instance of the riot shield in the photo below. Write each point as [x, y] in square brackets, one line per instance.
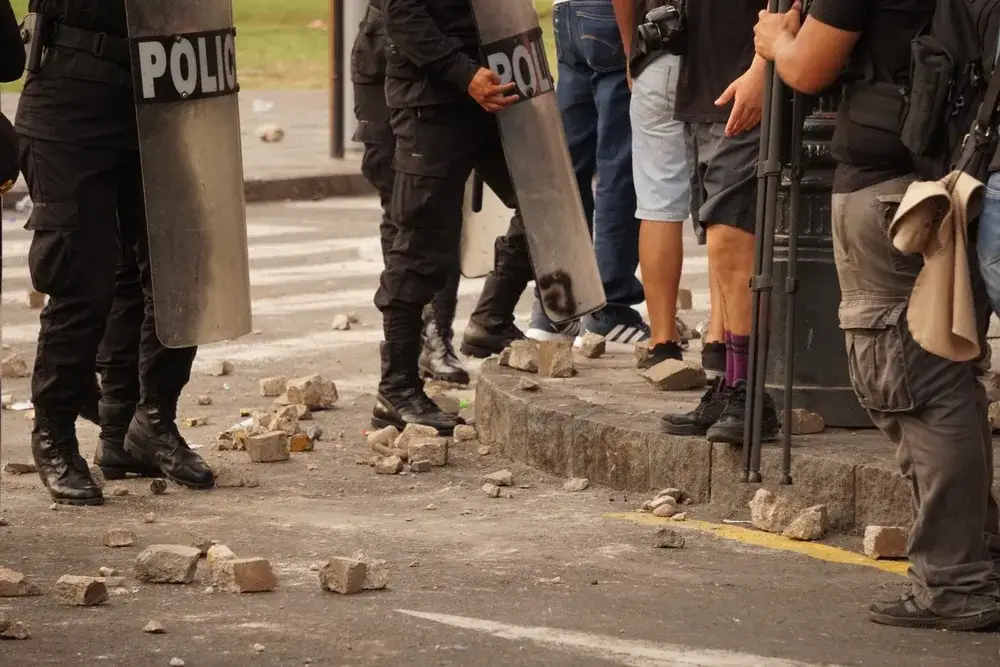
[184, 74]
[562, 252]
[485, 218]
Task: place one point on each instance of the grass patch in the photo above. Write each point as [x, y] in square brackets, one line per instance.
[277, 48]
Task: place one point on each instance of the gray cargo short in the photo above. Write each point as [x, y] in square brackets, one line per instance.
[724, 181]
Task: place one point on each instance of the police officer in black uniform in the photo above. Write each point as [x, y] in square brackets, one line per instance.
[438, 360]
[442, 104]
[79, 155]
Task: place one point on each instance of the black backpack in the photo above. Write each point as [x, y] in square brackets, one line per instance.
[951, 101]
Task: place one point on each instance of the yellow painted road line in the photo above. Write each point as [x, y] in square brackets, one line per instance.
[767, 540]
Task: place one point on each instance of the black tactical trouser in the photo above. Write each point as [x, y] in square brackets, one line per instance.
[375, 132]
[437, 148]
[90, 254]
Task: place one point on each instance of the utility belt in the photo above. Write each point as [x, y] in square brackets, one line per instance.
[107, 57]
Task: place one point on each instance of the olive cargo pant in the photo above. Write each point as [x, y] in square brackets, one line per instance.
[934, 410]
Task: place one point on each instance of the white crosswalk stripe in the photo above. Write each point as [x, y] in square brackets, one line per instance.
[301, 269]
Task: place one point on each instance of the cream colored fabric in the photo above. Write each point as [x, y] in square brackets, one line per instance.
[932, 220]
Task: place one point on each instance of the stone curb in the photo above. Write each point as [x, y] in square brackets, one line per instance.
[261, 190]
[565, 436]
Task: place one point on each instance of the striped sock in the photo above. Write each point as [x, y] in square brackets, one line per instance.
[740, 346]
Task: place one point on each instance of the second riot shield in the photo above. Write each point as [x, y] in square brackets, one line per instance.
[184, 73]
[485, 218]
[562, 252]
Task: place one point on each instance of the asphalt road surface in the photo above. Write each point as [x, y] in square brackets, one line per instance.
[543, 577]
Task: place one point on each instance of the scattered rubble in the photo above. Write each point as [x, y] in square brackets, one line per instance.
[217, 555]
[576, 485]
[434, 450]
[555, 359]
[685, 300]
[257, 648]
[527, 384]
[666, 508]
[204, 400]
[107, 572]
[312, 391]
[118, 537]
[244, 575]
[445, 402]
[303, 412]
[97, 475]
[811, 524]
[202, 544]
[176, 662]
[341, 322]
[523, 356]
[343, 575]
[119, 491]
[12, 468]
[770, 513]
[885, 542]
[464, 433]
[230, 478]
[269, 134]
[154, 628]
[36, 300]
[376, 571]
[414, 431]
[167, 564]
[14, 366]
[273, 387]
[503, 359]
[420, 466]
[314, 432]
[158, 487]
[300, 442]
[221, 369]
[491, 490]
[500, 478]
[680, 516]
[592, 346]
[668, 539]
[14, 585]
[81, 591]
[112, 582]
[674, 375]
[16, 631]
[805, 422]
[149, 518]
[391, 465]
[268, 447]
[431, 507]
[483, 450]
[385, 436]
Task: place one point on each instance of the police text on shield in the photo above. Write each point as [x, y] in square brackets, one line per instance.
[521, 59]
[184, 67]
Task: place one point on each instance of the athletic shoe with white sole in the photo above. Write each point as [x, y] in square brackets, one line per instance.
[543, 330]
[618, 336]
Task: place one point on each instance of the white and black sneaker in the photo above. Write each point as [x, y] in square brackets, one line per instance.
[543, 330]
[618, 336]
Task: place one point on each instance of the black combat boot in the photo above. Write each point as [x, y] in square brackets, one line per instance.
[111, 456]
[438, 360]
[153, 435]
[703, 417]
[89, 409]
[491, 327]
[57, 456]
[401, 399]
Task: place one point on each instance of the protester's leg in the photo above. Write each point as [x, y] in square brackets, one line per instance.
[575, 97]
[933, 409]
[713, 344]
[729, 214]
[153, 435]
[662, 185]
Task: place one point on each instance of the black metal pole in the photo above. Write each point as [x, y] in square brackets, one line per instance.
[792, 278]
[337, 79]
[769, 180]
[477, 192]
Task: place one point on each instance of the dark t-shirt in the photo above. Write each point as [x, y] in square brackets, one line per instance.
[720, 49]
[867, 156]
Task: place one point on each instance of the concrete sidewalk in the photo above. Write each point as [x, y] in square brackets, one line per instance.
[298, 167]
[604, 425]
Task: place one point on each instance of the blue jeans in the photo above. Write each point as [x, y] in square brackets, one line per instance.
[594, 101]
[988, 242]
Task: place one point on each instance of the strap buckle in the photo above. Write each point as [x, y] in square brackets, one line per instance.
[100, 40]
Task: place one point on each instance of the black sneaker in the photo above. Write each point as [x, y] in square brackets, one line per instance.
[699, 420]
[660, 353]
[907, 613]
[729, 428]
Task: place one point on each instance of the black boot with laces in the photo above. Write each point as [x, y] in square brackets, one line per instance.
[153, 435]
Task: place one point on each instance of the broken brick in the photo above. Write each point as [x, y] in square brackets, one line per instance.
[343, 575]
[81, 591]
[268, 447]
